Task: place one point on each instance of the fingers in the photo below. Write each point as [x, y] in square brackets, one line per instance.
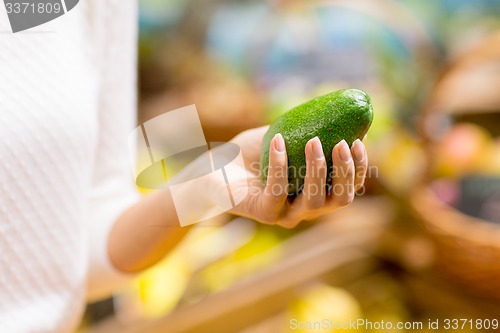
[314, 191]
[343, 175]
[315, 181]
[276, 190]
[358, 151]
[348, 175]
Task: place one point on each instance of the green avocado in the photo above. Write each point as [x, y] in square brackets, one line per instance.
[341, 115]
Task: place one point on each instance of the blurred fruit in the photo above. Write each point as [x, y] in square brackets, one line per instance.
[380, 297]
[446, 190]
[260, 252]
[395, 157]
[463, 149]
[323, 308]
[156, 291]
[490, 161]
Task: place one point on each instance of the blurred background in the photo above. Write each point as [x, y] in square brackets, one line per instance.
[422, 242]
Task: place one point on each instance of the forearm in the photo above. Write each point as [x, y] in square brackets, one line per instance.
[144, 233]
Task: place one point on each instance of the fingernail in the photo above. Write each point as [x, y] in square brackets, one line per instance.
[317, 148]
[279, 143]
[358, 151]
[344, 153]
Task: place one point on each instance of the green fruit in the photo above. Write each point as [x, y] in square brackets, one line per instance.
[341, 115]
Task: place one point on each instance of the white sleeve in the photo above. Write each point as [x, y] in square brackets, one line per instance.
[112, 189]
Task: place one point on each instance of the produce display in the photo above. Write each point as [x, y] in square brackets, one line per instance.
[249, 63]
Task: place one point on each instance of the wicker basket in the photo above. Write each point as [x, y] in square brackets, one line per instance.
[467, 248]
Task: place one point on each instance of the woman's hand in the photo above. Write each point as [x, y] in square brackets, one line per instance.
[136, 243]
[269, 203]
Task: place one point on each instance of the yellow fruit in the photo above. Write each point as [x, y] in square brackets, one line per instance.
[461, 150]
[323, 308]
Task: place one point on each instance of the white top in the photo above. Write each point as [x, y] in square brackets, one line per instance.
[67, 105]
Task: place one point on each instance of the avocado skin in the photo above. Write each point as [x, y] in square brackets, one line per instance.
[344, 114]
